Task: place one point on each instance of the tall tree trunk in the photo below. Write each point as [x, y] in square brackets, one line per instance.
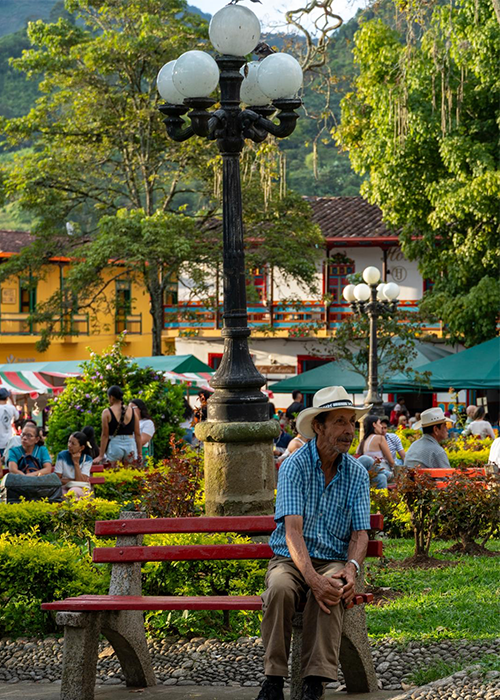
[156, 309]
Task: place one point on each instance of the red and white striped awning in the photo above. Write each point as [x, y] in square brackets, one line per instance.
[32, 383]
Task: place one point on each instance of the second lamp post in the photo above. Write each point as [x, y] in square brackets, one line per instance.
[373, 299]
[239, 469]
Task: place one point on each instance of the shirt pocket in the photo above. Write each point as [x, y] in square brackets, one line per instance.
[339, 523]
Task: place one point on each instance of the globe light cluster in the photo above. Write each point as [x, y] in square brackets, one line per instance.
[362, 292]
[234, 31]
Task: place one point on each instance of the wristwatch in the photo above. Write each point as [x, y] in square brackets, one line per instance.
[356, 565]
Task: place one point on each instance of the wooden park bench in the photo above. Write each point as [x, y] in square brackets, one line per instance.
[119, 614]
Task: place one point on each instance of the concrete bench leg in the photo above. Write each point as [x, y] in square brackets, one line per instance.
[125, 632]
[296, 671]
[81, 641]
[355, 654]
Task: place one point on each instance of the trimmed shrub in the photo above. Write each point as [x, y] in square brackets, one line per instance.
[19, 518]
[32, 572]
[121, 485]
[84, 398]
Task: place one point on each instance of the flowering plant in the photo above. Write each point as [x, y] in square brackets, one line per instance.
[84, 398]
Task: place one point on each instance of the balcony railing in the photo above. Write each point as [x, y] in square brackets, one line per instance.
[132, 323]
[21, 324]
[300, 319]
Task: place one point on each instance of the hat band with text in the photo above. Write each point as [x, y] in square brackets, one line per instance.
[336, 404]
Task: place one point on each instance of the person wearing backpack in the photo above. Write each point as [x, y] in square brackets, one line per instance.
[29, 458]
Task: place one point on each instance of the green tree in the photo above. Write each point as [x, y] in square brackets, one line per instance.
[84, 398]
[422, 125]
[102, 160]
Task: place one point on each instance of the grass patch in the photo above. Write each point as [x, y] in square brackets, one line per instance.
[441, 669]
[459, 602]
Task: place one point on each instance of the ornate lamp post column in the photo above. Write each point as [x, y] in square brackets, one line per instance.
[374, 300]
[239, 468]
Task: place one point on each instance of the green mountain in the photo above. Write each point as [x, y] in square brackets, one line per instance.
[15, 13]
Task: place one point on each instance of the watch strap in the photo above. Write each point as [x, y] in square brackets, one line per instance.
[356, 565]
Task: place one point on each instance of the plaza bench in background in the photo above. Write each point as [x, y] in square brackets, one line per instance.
[119, 614]
[442, 477]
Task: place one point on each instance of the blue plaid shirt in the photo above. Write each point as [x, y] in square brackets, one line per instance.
[330, 514]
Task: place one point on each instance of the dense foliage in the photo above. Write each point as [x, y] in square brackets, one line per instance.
[422, 125]
[49, 519]
[84, 398]
[33, 571]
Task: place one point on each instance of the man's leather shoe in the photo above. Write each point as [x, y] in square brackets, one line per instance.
[312, 688]
[271, 691]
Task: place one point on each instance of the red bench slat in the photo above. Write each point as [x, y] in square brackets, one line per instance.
[260, 524]
[125, 602]
[96, 468]
[97, 480]
[94, 603]
[197, 552]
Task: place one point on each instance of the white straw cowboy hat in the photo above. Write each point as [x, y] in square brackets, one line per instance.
[331, 398]
[431, 416]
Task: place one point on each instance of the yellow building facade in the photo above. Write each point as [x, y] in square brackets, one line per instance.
[124, 307]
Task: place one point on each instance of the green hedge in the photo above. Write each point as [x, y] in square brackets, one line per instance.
[19, 518]
[121, 485]
[33, 571]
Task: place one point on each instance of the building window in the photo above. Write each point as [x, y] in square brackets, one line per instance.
[337, 268]
[69, 299]
[171, 294]
[214, 359]
[307, 362]
[27, 295]
[427, 285]
[123, 300]
[257, 285]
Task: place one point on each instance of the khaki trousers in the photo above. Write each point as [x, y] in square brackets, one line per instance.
[321, 635]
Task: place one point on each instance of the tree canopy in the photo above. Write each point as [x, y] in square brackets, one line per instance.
[422, 125]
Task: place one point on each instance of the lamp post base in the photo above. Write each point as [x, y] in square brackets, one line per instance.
[239, 467]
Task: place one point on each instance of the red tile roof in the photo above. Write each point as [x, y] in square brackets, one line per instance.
[14, 241]
[349, 218]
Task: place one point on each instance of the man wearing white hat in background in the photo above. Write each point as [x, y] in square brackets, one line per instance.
[322, 518]
[427, 452]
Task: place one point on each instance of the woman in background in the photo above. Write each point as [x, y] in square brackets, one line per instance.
[120, 436]
[375, 445]
[146, 427]
[73, 466]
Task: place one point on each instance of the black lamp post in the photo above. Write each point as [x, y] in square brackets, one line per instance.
[374, 300]
[237, 383]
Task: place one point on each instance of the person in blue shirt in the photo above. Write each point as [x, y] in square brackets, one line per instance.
[322, 518]
[29, 458]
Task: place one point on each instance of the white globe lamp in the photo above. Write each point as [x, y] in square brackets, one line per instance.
[380, 292]
[362, 292]
[391, 291]
[195, 74]
[280, 76]
[250, 92]
[371, 275]
[166, 87]
[234, 30]
[348, 293]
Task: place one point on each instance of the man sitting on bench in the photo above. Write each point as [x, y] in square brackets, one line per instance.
[322, 517]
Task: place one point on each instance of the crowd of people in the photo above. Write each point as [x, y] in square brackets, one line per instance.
[127, 432]
[380, 449]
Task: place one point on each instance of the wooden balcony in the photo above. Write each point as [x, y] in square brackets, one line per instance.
[299, 320]
[21, 324]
